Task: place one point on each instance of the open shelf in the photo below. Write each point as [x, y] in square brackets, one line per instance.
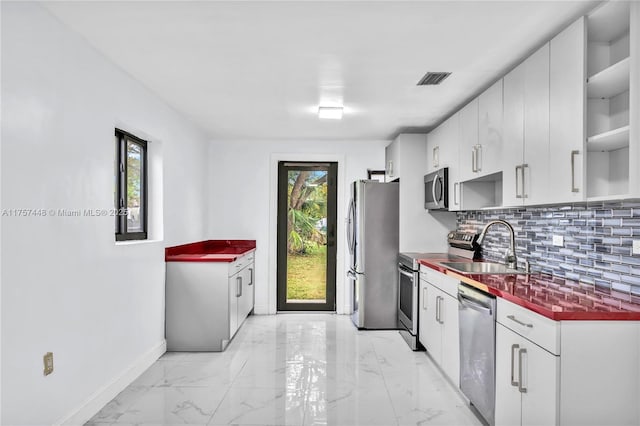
[609, 21]
[609, 141]
[609, 82]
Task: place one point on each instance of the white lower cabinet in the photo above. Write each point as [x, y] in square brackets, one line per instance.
[206, 302]
[570, 372]
[241, 294]
[526, 381]
[438, 326]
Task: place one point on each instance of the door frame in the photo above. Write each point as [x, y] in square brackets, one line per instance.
[343, 300]
[331, 169]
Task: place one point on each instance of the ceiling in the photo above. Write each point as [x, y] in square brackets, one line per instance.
[259, 70]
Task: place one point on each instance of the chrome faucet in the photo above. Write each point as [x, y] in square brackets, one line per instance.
[510, 256]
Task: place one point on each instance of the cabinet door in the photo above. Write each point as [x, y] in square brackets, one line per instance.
[449, 157]
[567, 115]
[536, 127]
[468, 139]
[508, 397]
[450, 338]
[234, 292]
[245, 301]
[513, 137]
[433, 333]
[392, 168]
[539, 377]
[434, 142]
[489, 155]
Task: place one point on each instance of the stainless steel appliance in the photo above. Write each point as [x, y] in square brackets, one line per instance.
[436, 190]
[461, 244]
[477, 315]
[408, 282]
[372, 237]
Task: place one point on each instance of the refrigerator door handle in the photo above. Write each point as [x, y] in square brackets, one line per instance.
[350, 226]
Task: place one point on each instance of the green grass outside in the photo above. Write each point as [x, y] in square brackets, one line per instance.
[307, 276]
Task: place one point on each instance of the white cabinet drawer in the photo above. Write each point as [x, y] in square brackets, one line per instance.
[540, 330]
[240, 263]
[442, 281]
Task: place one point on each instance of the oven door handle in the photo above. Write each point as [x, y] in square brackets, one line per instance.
[405, 273]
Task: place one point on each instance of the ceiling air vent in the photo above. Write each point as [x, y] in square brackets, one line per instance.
[433, 78]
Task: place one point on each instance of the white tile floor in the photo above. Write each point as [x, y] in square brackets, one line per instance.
[294, 369]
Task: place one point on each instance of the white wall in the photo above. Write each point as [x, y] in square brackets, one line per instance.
[241, 194]
[66, 286]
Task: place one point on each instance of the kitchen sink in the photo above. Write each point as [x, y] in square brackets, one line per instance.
[481, 268]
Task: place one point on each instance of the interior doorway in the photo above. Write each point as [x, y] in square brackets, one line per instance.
[306, 248]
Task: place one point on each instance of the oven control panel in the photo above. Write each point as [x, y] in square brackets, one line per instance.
[463, 240]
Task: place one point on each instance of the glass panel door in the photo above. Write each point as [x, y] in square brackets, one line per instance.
[306, 236]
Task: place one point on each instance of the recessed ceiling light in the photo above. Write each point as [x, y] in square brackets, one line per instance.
[332, 113]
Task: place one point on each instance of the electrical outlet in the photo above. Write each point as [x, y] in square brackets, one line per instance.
[636, 246]
[48, 363]
[558, 240]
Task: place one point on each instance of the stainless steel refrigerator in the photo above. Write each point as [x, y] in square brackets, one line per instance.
[372, 237]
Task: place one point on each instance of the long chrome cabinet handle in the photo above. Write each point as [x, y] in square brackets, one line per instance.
[251, 271]
[514, 319]
[521, 388]
[478, 158]
[473, 160]
[573, 171]
[455, 193]
[513, 381]
[441, 300]
[437, 309]
[238, 286]
[436, 157]
[524, 192]
[517, 183]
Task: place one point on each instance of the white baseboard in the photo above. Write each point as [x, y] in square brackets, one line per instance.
[90, 407]
[262, 310]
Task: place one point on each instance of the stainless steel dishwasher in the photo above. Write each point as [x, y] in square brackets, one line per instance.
[477, 314]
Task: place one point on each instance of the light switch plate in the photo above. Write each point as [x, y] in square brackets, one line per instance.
[636, 246]
[558, 240]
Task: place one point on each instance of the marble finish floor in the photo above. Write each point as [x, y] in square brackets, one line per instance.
[293, 369]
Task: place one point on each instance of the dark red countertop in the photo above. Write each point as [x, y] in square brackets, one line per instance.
[209, 251]
[555, 298]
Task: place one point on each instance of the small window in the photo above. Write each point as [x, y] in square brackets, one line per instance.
[131, 187]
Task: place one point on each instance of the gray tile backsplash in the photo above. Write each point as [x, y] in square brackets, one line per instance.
[598, 239]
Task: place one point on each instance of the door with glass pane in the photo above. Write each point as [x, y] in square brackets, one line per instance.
[307, 236]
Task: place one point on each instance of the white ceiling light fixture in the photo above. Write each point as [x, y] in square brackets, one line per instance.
[331, 113]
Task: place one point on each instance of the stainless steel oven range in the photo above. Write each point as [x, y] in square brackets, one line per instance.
[461, 244]
[408, 281]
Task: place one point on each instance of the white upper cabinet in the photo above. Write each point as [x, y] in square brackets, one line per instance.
[442, 151]
[489, 151]
[513, 154]
[567, 107]
[526, 131]
[481, 134]
[434, 141]
[468, 140]
[392, 162]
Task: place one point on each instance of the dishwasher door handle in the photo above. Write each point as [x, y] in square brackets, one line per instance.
[467, 302]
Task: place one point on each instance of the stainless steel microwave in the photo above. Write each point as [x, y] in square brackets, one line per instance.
[436, 190]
